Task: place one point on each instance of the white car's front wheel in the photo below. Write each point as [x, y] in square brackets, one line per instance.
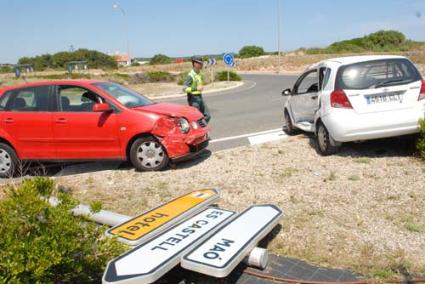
[325, 144]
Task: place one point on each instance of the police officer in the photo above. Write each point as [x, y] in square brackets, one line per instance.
[194, 86]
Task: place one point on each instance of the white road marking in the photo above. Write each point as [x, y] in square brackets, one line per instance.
[244, 135]
[268, 137]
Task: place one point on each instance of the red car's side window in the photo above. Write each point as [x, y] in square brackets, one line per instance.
[77, 99]
[33, 99]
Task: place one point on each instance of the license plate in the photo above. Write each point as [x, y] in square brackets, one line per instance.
[384, 98]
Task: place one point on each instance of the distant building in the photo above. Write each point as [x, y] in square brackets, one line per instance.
[122, 59]
[140, 60]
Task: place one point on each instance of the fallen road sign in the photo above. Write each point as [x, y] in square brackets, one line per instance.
[149, 224]
[149, 261]
[221, 253]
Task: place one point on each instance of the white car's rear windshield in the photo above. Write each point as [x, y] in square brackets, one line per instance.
[376, 74]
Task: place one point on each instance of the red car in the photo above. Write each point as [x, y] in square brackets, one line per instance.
[73, 120]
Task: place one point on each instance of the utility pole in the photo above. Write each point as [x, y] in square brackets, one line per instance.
[116, 6]
[278, 36]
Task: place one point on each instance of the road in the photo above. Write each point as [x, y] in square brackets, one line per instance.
[255, 107]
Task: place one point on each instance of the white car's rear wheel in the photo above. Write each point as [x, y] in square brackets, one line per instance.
[288, 127]
[325, 144]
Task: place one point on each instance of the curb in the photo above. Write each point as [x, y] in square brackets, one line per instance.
[240, 84]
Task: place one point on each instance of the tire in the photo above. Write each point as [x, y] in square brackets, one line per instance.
[9, 161]
[288, 127]
[325, 144]
[147, 154]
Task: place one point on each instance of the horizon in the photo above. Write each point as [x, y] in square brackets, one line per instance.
[196, 27]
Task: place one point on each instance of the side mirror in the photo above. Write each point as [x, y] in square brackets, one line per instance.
[101, 107]
[286, 92]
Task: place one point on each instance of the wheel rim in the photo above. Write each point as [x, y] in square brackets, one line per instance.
[150, 154]
[5, 161]
[322, 138]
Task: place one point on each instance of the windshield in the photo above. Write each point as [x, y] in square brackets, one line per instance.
[125, 96]
[376, 74]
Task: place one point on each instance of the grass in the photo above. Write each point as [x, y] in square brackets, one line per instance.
[331, 176]
[362, 160]
[354, 178]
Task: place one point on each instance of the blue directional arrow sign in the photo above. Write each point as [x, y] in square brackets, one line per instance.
[228, 59]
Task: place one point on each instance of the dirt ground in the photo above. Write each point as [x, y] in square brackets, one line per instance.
[363, 208]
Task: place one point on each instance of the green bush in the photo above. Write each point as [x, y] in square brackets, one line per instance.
[251, 51]
[160, 59]
[94, 58]
[381, 41]
[181, 78]
[6, 69]
[420, 144]
[159, 76]
[222, 76]
[40, 243]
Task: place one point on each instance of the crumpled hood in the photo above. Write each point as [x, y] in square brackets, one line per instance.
[174, 110]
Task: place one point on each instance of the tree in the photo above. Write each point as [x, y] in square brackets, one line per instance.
[160, 59]
[251, 51]
[94, 58]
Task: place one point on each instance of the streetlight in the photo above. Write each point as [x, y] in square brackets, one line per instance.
[116, 6]
[278, 36]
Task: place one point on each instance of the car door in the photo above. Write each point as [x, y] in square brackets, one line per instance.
[304, 100]
[27, 121]
[80, 133]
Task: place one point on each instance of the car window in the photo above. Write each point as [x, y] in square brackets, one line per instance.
[32, 99]
[127, 97]
[324, 75]
[377, 73]
[308, 83]
[77, 99]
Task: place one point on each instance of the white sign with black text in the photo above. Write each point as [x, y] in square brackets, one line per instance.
[222, 252]
[149, 261]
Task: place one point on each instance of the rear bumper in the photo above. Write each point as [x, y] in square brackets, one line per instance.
[347, 125]
[182, 147]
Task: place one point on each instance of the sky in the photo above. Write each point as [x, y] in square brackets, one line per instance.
[189, 27]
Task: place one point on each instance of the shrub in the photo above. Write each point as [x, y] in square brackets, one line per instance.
[44, 244]
[222, 76]
[160, 59]
[94, 58]
[6, 69]
[182, 77]
[420, 144]
[159, 76]
[251, 51]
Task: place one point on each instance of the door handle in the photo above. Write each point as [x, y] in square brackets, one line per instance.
[313, 97]
[8, 120]
[61, 120]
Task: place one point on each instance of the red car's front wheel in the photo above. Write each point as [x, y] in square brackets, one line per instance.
[147, 154]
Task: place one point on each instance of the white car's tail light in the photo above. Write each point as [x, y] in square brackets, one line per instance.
[422, 93]
[340, 100]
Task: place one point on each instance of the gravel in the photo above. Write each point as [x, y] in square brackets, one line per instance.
[363, 208]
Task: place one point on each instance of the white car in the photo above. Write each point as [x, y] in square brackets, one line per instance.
[356, 98]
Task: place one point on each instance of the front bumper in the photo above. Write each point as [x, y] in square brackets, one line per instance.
[182, 147]
[347, 125]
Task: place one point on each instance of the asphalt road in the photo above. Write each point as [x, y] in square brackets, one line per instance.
[255, 107]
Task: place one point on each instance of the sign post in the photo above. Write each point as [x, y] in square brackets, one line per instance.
[221, 253]
[229, 60]
[151, 260]
[151, 223]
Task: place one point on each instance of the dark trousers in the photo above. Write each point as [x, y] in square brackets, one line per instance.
[198, 102]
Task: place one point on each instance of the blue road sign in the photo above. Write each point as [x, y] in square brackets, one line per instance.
[228, 59]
